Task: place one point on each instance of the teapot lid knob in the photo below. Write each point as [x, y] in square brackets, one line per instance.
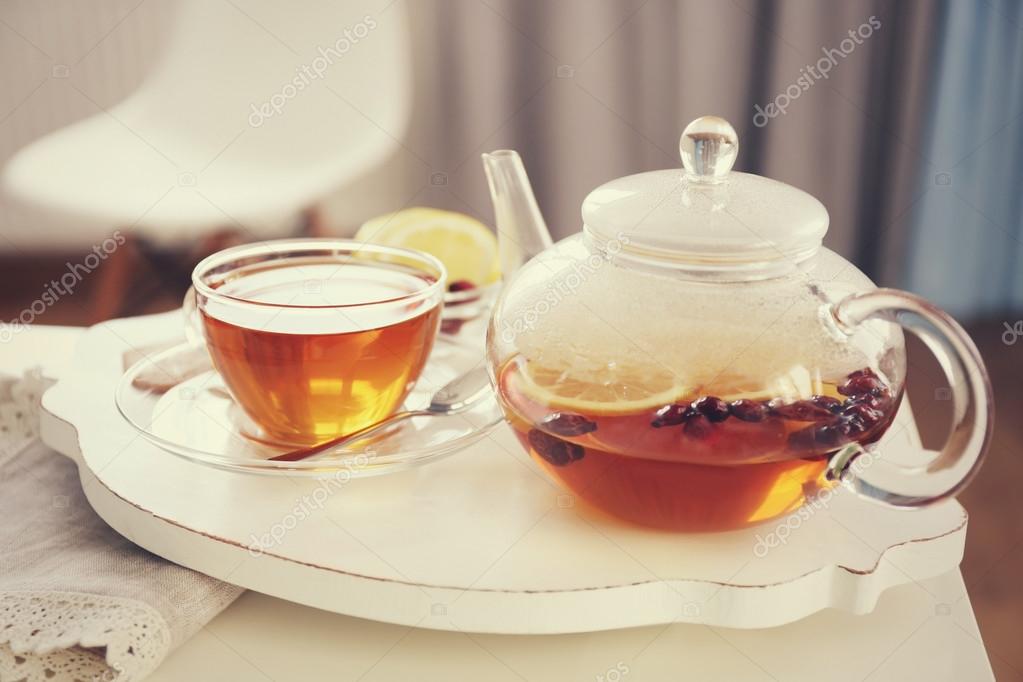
[708, 147]
[706, 215]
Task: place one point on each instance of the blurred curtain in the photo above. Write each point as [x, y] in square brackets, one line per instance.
[588, 91]
[967, 232]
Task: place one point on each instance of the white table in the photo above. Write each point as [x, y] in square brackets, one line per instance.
[920, 631]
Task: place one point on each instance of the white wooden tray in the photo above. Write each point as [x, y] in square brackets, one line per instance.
[480, 541]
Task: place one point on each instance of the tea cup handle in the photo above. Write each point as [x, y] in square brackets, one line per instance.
[193, 324]
[972, 405]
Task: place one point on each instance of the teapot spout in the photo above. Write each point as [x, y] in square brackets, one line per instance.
[521, 230]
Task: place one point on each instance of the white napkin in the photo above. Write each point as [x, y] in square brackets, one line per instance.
[77, 600]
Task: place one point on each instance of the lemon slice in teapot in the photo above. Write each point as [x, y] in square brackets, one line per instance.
[466, 247]
[612, 389]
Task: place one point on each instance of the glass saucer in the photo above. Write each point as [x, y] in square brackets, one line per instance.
[196, 418]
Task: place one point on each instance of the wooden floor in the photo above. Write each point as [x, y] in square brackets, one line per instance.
[993, 566]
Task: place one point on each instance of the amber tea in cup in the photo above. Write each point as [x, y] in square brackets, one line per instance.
[316, 339]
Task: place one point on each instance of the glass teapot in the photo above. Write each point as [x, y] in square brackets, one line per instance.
[695, 360]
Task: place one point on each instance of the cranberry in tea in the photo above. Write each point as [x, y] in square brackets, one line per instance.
[699, 462]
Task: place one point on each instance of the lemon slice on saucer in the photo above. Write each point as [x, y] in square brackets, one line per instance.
[613, 389]
[466, 247]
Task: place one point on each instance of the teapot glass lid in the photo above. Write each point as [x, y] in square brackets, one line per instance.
[705, 213]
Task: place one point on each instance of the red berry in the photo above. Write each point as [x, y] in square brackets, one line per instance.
[564, 424]
[554, 450]
[860, 384]
[714, 409]
[877, 400]
[861, 418]
[461, 285]
[748, 410]
[670, 415]
[827, 402]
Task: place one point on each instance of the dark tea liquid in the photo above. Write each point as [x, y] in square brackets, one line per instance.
[703, 463]
[308, 373]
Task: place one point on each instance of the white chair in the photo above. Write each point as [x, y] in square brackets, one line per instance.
[256, 110]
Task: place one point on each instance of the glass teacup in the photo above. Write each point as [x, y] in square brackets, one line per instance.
[318, 338]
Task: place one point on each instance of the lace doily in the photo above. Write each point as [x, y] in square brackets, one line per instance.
[78, 602]
[69, 636]
[46, 636]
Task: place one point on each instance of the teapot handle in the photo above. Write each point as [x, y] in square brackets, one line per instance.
[972, 405]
